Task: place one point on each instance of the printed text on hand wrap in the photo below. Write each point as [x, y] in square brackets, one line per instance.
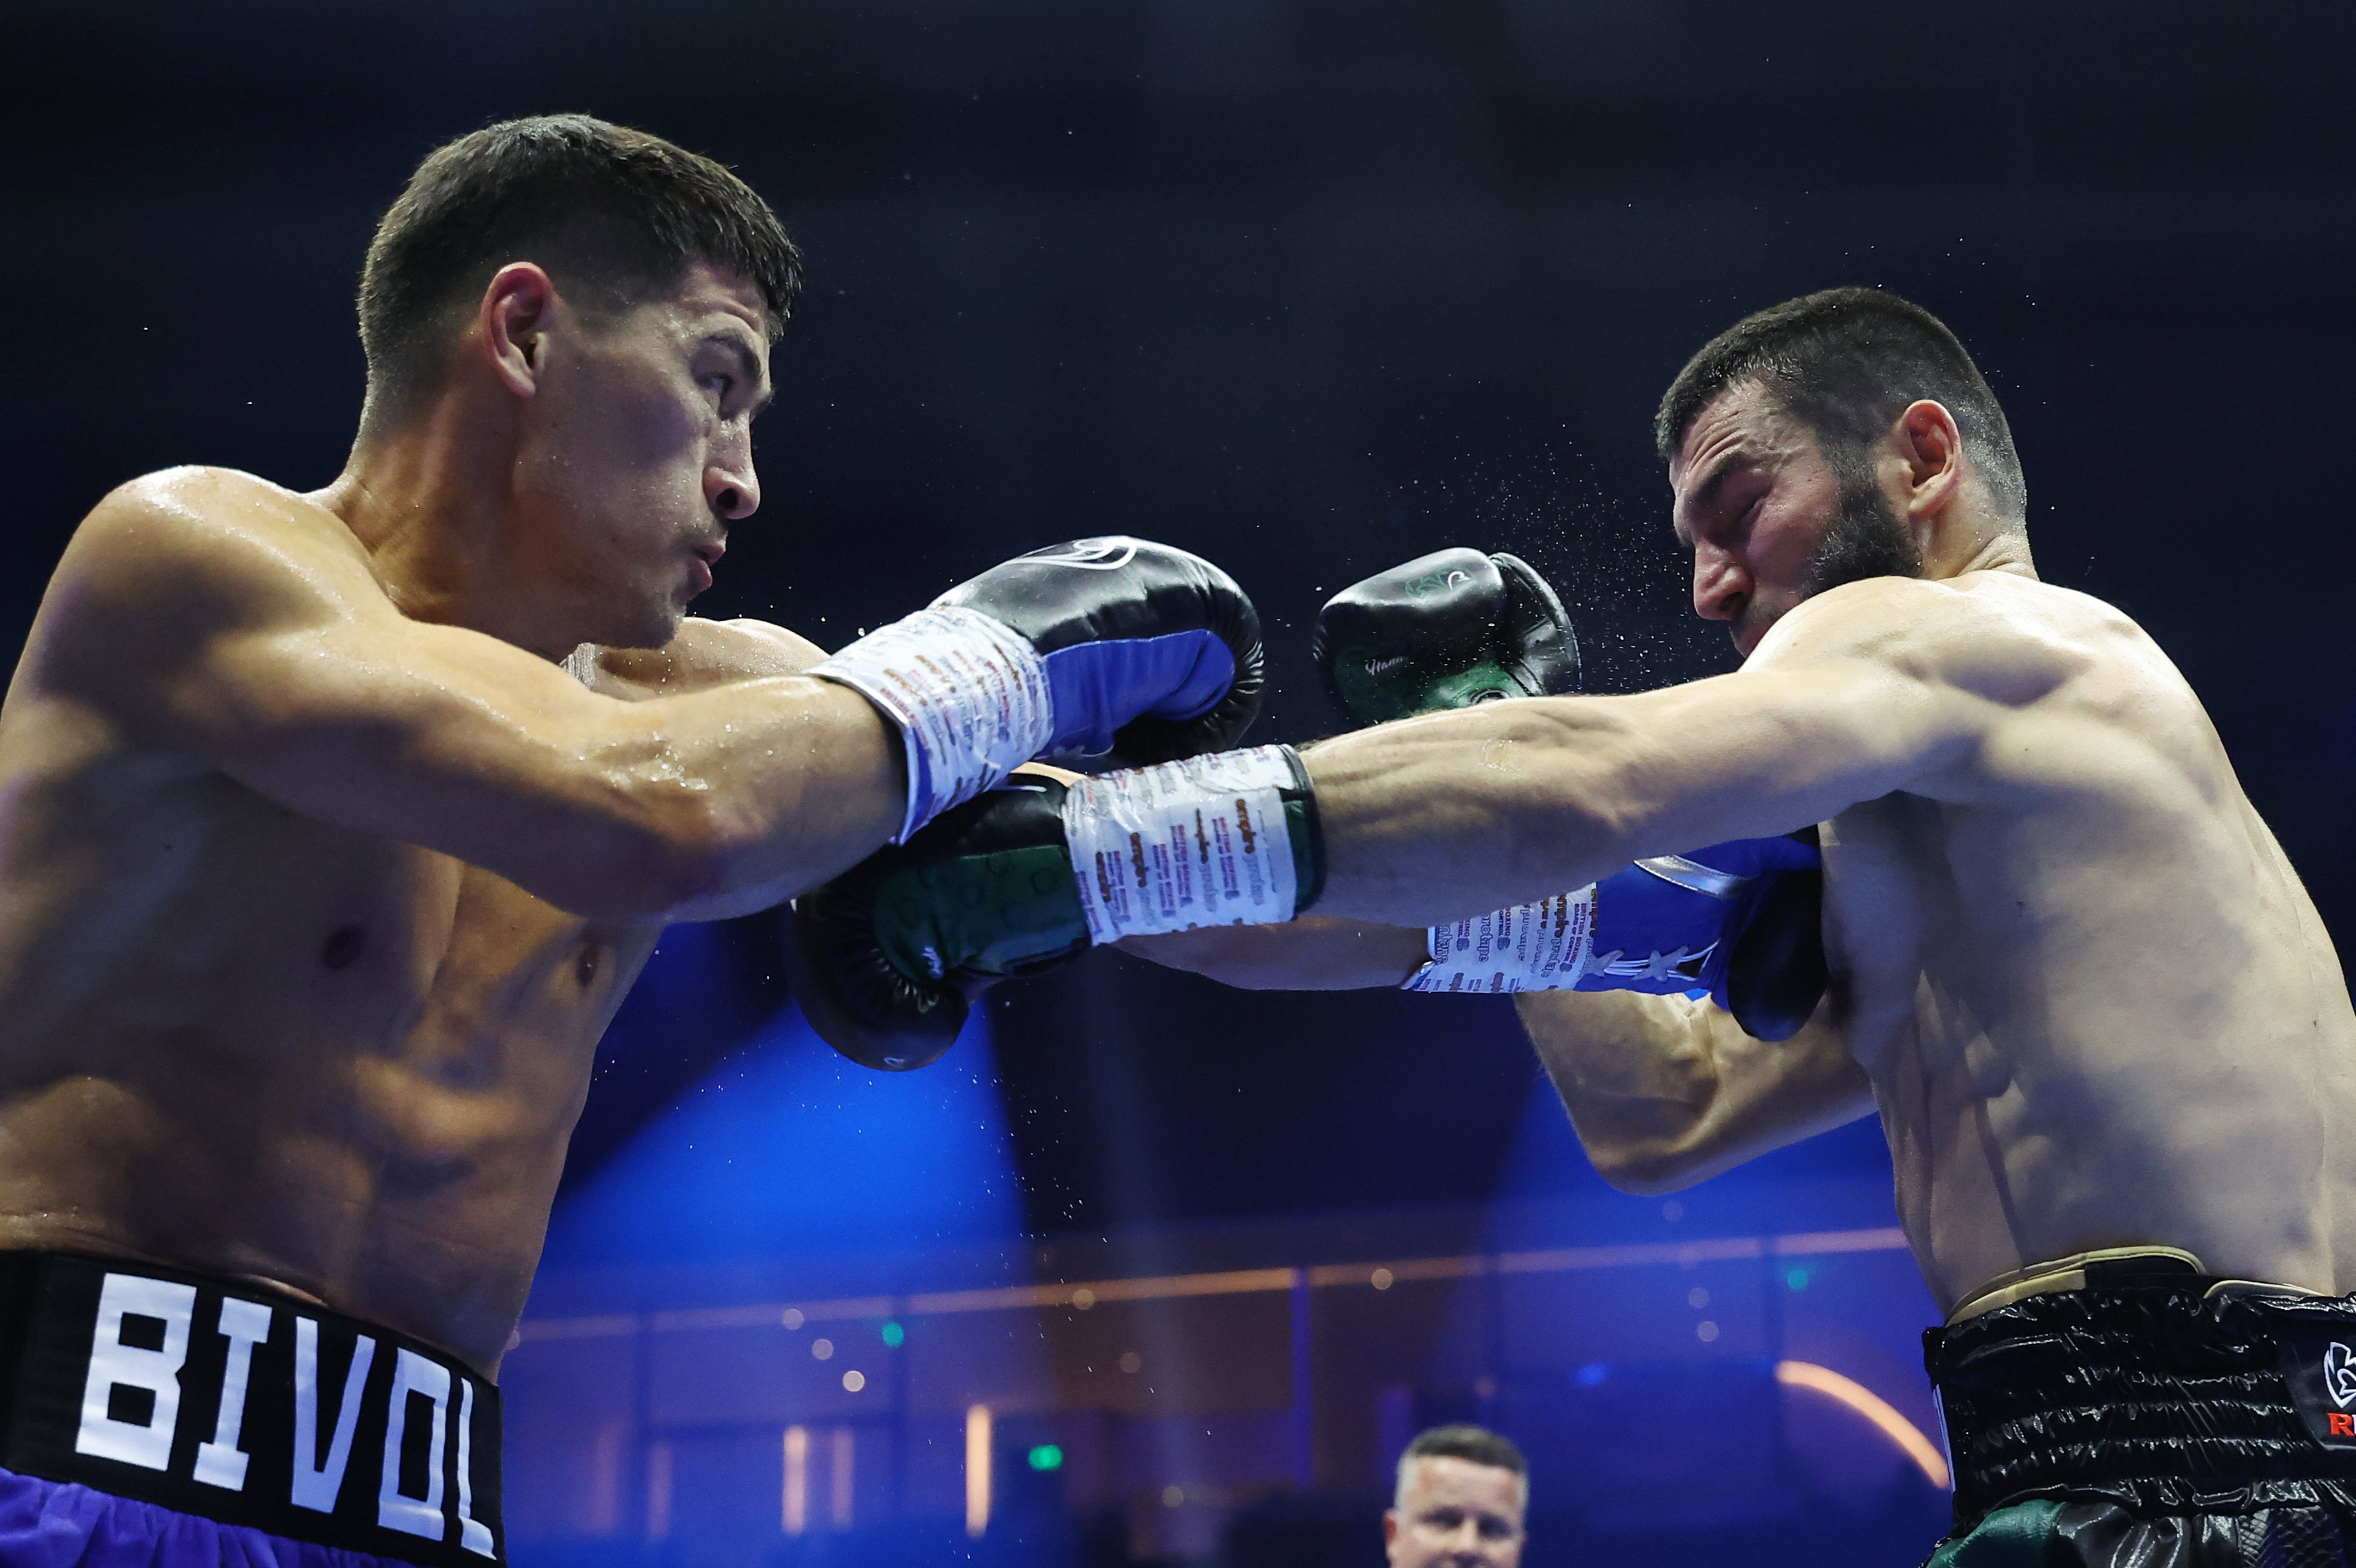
[1186, 844]
[969, 694]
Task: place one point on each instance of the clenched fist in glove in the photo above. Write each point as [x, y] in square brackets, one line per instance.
[1446, 630]
[1100, 645]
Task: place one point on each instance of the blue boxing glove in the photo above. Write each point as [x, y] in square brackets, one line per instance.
[1102, 646]
[1740, 920]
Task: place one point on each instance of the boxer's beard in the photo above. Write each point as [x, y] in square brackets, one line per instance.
[1864, 540]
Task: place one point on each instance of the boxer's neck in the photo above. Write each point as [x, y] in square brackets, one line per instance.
[431, 498]
[2002, 551]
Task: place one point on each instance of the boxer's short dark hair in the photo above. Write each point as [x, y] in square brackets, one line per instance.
[1846, 362]
[1475, 1444]
[612, 213]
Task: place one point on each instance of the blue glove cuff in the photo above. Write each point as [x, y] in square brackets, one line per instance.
[1094, 686]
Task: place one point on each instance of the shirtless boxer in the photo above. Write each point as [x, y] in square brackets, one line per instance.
[2108, 1035]
[336, 825]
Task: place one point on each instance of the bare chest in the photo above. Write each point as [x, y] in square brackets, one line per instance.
[212, 918]
[1902, 932]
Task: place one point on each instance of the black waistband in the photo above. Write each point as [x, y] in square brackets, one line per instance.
[2156, 1392]
[233, 1402]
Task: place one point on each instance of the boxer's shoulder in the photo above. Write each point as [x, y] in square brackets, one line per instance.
[2000, 636]
[171, 573]
[703, 655]
[222, 501]
[173, 535]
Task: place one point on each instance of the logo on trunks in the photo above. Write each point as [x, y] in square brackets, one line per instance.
[2339, 1384]
[1088, 555]
[132, 1396]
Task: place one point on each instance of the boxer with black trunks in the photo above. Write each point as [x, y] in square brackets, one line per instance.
[335, 826]
[2106, 1033]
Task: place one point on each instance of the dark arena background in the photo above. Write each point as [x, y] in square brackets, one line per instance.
[1146, 1270]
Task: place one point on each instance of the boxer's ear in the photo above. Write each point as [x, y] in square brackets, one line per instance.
[511, 319]
[1932, 448]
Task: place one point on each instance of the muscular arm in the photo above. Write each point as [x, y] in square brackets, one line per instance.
[1882, 686]
[1664, 1091]
[253, 636]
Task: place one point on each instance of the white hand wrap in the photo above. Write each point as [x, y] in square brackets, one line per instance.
[1186, 844]
[969, 692]
[1541, 946]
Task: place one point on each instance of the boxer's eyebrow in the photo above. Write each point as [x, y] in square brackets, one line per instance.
[1706, 494]
[749, 364]
[1704, 497]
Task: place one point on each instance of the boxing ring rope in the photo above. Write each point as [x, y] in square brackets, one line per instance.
[1909, 1441]
[1235, 1282]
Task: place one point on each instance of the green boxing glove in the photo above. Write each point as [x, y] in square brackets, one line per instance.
[887, 959]
[1446, 630]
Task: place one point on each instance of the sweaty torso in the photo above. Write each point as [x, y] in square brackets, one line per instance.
[238, 1038]
[2096, 1006]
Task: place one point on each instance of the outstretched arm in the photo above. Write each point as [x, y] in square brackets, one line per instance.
[253, 637]
[1665, 1093]
[1881, 685]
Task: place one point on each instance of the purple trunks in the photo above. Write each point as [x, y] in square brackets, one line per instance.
[59, 1524]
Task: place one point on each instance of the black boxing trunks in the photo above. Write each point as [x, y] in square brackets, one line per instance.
[151, 1415]
[2148, 1416]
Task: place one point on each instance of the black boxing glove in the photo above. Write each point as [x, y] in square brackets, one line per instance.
[886, 960]
[1101, 644]
[1446, 630]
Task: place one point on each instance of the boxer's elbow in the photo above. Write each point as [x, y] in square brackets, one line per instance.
[1646, 1170]
[1645, 1149]
[1643, 1098]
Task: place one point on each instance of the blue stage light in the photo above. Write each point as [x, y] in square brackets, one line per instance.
[787, 1149]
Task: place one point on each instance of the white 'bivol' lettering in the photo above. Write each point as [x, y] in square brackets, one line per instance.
[244, 1323]
[316, 1484]
[472, 1534]
[396, 1509]
[113, 1364]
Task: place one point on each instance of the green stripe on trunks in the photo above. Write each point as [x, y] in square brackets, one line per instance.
[2015, 1537]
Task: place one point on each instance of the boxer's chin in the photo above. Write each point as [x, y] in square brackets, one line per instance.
[652, 625]
[1757, 620]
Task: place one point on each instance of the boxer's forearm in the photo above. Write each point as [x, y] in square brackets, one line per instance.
[741, 797]
[1452, 814]
[1633, 1071]
[1310, 954]
[1664, 1091]
[687, 807]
